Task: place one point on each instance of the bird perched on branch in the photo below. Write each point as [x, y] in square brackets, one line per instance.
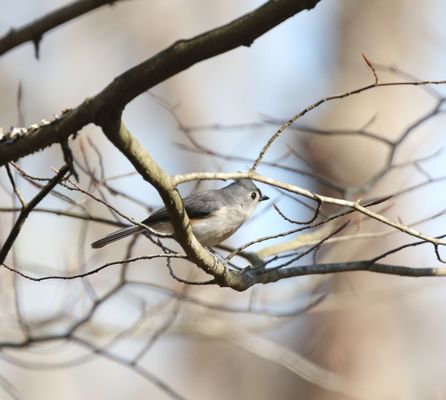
[214, 214]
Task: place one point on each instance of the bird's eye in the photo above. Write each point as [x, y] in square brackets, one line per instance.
[253, 195]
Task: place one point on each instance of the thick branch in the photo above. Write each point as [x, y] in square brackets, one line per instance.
[165, 185]
[176, 58]
[185, 53]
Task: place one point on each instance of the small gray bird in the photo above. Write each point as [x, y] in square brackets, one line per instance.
[214, 214]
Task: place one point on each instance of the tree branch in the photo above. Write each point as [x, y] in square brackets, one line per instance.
[166, 187]
[354, 205]
[174, 59]
[27, 209]
[33, 32]
[330, 268]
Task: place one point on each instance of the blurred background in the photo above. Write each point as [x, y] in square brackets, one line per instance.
[372, 337]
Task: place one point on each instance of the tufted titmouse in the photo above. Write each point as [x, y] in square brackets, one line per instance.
[214, 214]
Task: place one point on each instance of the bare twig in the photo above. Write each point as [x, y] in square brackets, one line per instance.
[27, 210]
[93, 271]
[34, 31]
[293, 119]
[372, 68]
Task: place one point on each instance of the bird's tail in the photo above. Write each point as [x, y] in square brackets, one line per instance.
[122, 233]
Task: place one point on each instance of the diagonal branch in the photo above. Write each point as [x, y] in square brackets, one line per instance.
[170, 61]
[166, 187]
[26, 211]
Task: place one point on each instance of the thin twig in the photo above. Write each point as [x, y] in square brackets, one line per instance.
[27, 210]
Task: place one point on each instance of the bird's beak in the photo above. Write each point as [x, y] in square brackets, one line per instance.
[263, 197]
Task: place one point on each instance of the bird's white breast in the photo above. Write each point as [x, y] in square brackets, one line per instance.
[214, 228]
[219, 225]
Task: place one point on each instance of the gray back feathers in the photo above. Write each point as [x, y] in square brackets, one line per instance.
[201, 204]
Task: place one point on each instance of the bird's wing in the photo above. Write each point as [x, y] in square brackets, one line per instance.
[198, 205]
